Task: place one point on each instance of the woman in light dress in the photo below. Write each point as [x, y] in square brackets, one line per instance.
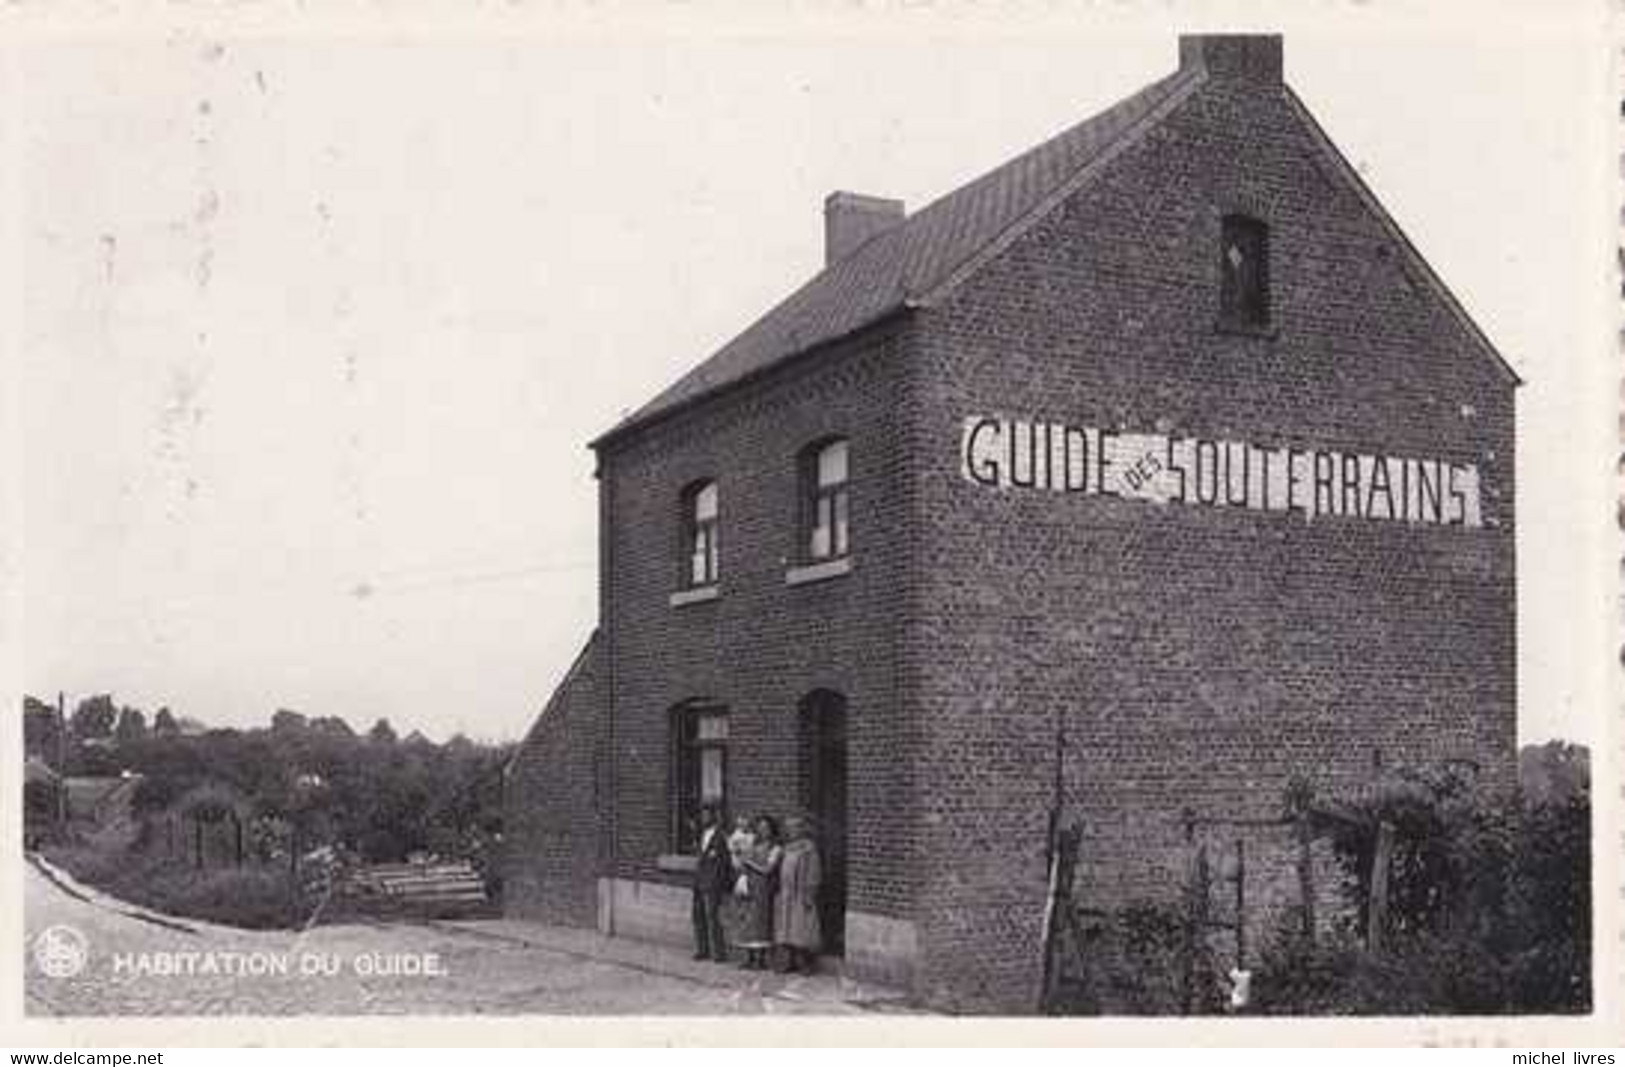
[760, 861]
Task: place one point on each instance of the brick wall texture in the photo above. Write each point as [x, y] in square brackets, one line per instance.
[1197, 657]
[554, 817]
[762, 647]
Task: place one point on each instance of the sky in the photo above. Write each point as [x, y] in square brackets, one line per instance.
[316, 323]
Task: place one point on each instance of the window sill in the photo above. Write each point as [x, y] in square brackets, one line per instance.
[818, 572]
[677, 864]
[684, 597]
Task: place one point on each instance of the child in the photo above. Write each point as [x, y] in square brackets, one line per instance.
[740, 842]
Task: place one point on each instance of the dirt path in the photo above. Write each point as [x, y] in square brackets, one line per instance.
[89, 954]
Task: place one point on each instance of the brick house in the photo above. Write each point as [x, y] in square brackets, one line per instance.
[1155, 464]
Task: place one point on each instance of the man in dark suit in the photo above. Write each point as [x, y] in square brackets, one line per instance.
[713, 878]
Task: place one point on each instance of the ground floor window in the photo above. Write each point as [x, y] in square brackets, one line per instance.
[699, 769]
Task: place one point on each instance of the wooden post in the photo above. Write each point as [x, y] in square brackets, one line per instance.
[1058, 914]
[197, 834]
[1241, 904]
[1306, 868]
[1046, 989]
[61, 760]
[295, 896]
[1376, 920]
[237, 832]
[1187, 954]
[1195, 926]
[1054, 847]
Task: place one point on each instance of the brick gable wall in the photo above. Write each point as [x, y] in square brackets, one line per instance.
[1201, 657]
[553, 826]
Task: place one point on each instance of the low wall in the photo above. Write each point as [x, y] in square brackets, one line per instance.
[878, 948]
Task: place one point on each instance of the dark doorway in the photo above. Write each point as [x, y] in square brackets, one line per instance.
[823, 762]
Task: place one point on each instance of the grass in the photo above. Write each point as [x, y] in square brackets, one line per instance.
[253, 897]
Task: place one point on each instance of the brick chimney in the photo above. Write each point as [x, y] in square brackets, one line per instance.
[851, 219]
[1243, 56]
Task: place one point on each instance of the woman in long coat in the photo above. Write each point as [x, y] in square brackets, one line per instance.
[761, 862]
[795, 912]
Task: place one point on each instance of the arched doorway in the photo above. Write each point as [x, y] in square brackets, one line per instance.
[823, 795]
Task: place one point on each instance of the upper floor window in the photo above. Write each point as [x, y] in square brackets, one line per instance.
[1244, 289]
[824, 500]
[698, 770]
[700, 535]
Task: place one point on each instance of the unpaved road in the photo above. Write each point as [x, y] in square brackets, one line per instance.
[134, 963]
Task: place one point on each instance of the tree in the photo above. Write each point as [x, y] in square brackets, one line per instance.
[94, 717]
[382, 732]
[331, 726]
[164, 724]
[1554, 772]
[1551, 899]
[132, 726]
[288, 722]
[40, 730]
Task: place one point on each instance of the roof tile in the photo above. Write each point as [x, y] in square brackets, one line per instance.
[901, 264]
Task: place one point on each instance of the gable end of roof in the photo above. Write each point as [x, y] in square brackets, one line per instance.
[550, 709]
[922, 260]
[1413, 256]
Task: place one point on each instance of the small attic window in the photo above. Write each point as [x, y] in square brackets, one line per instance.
[1244, 274]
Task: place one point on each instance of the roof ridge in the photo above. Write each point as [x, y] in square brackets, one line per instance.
[576, 665]
[929, 252]
[1179, 85]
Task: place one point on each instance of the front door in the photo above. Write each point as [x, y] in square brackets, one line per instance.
[823, 725]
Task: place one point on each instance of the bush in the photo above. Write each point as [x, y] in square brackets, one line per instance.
[1489, 910]
[1424, 975]
[245, 896]
[1132, 962]
[253, 897]
[1550, 907]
